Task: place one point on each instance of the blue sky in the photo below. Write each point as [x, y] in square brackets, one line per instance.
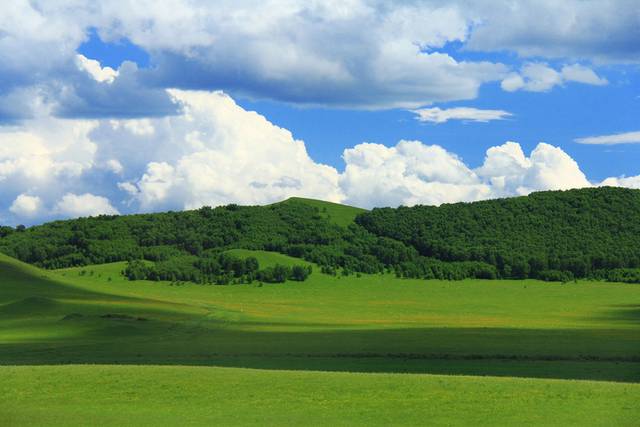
[120, 108]
[557, 117]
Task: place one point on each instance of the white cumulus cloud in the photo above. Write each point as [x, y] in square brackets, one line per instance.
[414, 173]
[26, 206]
[95, 70]
[624, 181]
[82, 205]
[217, 152]
[407, 174]
[510, 172]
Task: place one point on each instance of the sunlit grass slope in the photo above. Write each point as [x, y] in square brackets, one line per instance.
[342, 215]
[154, 396]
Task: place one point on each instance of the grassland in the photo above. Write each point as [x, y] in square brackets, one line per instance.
[331, 350]
[178, 395]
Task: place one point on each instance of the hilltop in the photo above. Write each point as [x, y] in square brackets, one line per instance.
[336, 213]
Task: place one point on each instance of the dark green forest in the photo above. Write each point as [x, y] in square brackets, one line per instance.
[549, 235]
[556, 236]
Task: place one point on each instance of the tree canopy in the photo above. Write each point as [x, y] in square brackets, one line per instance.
[557, 235]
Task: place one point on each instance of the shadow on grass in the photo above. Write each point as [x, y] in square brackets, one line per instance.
[628, 313]
[592, 354]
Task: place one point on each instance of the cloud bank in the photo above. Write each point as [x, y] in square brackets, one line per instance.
[354, 53]
[214, 152]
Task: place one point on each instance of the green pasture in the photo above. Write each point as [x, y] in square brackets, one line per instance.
[180, 395]
[373, 349]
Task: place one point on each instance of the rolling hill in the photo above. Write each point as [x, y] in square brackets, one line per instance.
[336, 213]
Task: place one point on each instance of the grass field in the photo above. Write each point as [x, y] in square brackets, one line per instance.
[331, 350]
[172, 395]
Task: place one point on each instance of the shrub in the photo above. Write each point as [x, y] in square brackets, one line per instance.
[300, 273]
[556, 276]
[626, 275]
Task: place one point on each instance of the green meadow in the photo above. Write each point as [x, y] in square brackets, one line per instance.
[86, 346]
[185, 395]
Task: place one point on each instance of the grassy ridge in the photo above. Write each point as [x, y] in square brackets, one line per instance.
[336, 213]
[152, 395]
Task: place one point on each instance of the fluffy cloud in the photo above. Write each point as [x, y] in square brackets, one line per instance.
[26, 206]
[43, 148]
[261, 53]
[79, 205]
[302, 52]
[93, 67]
[407, 174]
[70, 205]
[220, 153]
[539, 77]
[437, 115]
[412, 173]
[628, 182]
[617, 138]
[581, 74]
[213, 153]
[114, 166]
[509, 172]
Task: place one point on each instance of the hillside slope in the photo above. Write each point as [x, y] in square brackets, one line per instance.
[178, 396]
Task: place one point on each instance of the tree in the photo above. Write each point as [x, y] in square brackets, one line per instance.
[300, 273]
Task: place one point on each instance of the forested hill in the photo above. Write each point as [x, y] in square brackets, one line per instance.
[580, 231]
[308, 229]
[549, 235]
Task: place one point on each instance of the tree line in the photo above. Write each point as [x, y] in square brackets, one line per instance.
[222, 269]
[557, 236]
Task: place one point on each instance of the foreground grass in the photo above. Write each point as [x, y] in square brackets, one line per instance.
[153, 395]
